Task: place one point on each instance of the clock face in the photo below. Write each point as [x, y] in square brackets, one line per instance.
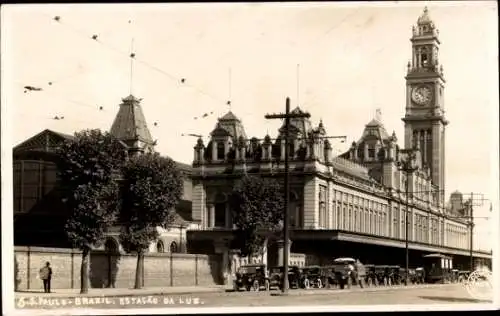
[422, 95]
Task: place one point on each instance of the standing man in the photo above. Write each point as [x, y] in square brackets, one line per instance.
[46, 276]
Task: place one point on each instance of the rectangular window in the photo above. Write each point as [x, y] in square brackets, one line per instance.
[221, 151]
[344, 218]
[356, 219]
[371, 151]
[322, 207]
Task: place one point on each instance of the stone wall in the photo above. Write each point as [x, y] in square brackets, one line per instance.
[160, 269]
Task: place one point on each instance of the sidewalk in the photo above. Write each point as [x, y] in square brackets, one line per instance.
[113, 292]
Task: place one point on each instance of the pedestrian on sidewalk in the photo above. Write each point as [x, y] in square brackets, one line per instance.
[46, 277]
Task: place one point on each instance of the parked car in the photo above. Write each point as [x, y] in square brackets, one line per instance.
[328, 276]
[276, 276]
[382, 273]
[252, 277]
[371, 277]
[348, 271]
[311, 276]
[397, 275]
[420, 275]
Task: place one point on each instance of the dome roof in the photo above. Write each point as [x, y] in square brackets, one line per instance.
[375, 130]
[300, 125]
[229, 125]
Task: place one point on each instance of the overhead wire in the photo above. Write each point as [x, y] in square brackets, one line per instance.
[96, 38]
[145, 63]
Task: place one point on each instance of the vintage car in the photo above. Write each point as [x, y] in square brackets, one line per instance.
[276, 276]
[328, 276]
[383, 274]
[252, 277]
[419, 275]
[371, 277]
[312, 276]
[348, 272]
[397, 275]
[437, 268]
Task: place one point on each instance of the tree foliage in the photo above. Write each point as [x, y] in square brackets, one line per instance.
[152, 187]
[257, 205]
[87, 175]
[88, 166]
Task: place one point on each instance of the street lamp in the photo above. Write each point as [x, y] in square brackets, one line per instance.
[407, 164]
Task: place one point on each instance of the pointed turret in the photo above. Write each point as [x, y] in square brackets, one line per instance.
[130, 126]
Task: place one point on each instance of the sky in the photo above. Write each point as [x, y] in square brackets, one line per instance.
[352, 60]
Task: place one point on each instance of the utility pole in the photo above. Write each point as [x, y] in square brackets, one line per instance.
[287, 116]
[408, 166]
[475, 199]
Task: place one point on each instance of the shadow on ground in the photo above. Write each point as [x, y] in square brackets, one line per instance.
[454, 299]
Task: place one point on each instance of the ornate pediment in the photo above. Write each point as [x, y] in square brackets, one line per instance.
[44, 141]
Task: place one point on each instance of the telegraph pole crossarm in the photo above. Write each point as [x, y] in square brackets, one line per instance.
[286, 247]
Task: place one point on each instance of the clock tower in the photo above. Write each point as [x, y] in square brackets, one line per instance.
[424, 118]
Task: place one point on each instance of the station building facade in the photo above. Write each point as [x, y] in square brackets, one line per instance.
[354, 204]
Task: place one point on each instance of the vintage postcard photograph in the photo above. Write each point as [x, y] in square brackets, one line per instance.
[192, 158]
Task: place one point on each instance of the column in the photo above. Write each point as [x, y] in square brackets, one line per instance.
[226, 147]
[282, 146]
[214, 150]
[413, 225]
[281, 252]
[211, 215]
[390, 220]
[365, 152]
[425, 146]
[295, 148]
[330, 205]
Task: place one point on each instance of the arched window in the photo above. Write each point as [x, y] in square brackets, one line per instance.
[424, 57]
[160, 247]
[111, 246]
[173, 247]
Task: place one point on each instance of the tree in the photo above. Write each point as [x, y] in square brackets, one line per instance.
[257, 205]
[87, 176]
[152, 187]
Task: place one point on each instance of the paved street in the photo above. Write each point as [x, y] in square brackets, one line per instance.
[423, 295]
